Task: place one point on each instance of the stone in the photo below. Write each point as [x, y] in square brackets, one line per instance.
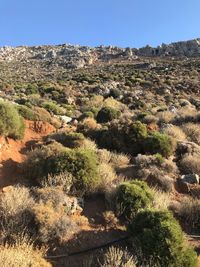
[190, 178]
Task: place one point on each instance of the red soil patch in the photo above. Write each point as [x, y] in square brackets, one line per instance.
[13, 152]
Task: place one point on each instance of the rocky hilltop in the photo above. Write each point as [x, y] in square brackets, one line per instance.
[39, 62]
[74, 56]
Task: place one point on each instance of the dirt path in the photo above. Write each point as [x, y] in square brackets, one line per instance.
[94, 233]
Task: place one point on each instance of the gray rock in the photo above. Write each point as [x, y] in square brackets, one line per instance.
[190, 178]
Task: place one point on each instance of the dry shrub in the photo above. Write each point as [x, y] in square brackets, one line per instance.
[162, 200]
[107, 177]
[189, 212]
[115, 159]
[116, 257]
[88, 125]
[156, 171]
[89, 144]
[118, 160]
[150, 119]
[176, 132]
[158, 179]
[22, 254]
[63, 180]
[113, 103]
[165, 116]
[190, 164]
[15, 215]
[193, 132]
[53, 225]
[96, 101]
[104, 155]
[50, 195]
[110, 219]
[147, 162]
[188, 111]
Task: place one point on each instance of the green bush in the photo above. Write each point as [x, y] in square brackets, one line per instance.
[160, 143]
[160, 238]
[107, 114]
[31, 89]
[54, 108]
[137, 131]
[71, 140]
[11, 123]
[55, 159]
[82, 164]
[115, 93]
[27, 113]
[131, 197]
[86, 114]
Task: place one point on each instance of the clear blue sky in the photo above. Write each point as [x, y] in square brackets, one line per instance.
[124, 23]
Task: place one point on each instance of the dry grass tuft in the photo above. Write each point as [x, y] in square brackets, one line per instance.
[116, 257]
[162, 200]
[193, 132]
[63, 180]
[165, 116]
[189, 212]
[190, 164]
[107, 177]
[53, 225]
[15, 215]
[22, 254]
[176, 132]
[115, 159]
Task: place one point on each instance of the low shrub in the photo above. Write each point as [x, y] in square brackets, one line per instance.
[52, 225]
[107, 114]
[188, 212]
[64, 180]
[117, 257]
[71, 140]
[27, 113]
[160, 238]
[15, 215]
[190, 164]
[160, 143]
[131, 197]
[50, 195]
[115, 93]
[176, 133]
[107, 177]
[82, 164]
[193, 132]
[11, 123]
[22, 254]
[54, 108]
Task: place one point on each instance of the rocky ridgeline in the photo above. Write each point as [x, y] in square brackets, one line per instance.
[72, 56]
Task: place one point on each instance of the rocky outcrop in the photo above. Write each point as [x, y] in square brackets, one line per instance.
[189, 48]
[75, 56]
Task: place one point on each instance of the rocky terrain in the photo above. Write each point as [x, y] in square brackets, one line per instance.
[100, 156]
[34, 59]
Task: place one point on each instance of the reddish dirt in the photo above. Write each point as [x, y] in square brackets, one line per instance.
[13, 152]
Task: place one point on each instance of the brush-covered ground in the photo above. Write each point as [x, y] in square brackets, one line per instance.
[92, 155]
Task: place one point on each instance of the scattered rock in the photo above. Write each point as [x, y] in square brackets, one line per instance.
[190, 178]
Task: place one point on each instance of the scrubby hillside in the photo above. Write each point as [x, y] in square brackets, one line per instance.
[100, 153]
